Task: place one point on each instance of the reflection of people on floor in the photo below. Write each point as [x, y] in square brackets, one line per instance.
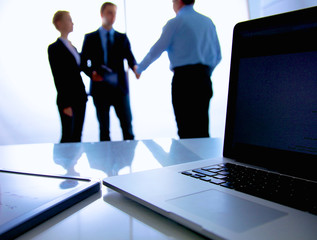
[177, 154]
[111, 157]
[67, 155]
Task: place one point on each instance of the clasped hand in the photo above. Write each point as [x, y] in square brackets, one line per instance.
[98, 78]
[137, 75]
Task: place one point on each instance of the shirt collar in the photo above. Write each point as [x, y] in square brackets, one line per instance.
[186, 8]
[103, 31]
[65, 41]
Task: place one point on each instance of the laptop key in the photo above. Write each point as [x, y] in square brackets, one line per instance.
[212, 180]
[227, 185]
[220, 176]
[223, 172]
[207, 179]
[187, 173]
[213, 169]
[217, 181]
[200, 171]
[197, 175]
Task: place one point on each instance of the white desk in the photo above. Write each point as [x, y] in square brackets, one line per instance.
[107, 215]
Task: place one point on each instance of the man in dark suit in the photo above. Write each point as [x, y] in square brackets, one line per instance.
[71, 94]
[103, 57]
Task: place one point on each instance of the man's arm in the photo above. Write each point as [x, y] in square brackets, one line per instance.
[216, 45]
[159, 47]
[130, 57]
[85, 57]
[86, 60]
[128, 53]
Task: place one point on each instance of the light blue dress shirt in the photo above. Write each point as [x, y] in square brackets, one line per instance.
[103, 35]
[189, 38]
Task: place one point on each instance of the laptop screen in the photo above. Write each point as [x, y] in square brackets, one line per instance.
[272, 102]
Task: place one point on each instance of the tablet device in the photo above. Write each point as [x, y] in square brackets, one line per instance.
[27, 200]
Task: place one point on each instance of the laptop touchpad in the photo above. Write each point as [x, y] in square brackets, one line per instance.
[223, 209]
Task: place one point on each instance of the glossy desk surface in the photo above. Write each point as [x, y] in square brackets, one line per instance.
[107, 215]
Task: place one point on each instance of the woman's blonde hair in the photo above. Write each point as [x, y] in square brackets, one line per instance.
[58, 17]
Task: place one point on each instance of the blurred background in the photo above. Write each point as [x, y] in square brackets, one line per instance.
[28, 111]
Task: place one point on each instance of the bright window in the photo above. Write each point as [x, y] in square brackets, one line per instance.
[28, 111]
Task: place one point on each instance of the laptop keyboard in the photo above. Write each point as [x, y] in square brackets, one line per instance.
[286, 190]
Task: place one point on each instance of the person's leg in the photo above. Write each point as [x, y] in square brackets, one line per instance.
[78, 121]
[66, 123]
[191, 94]
[123, 111]
[180, 106]
[200, 117]
[102, 111]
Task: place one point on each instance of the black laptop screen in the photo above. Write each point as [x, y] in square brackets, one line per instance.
[272, 102]
[277, 102]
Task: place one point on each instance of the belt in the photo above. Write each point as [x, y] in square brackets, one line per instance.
[193, 67]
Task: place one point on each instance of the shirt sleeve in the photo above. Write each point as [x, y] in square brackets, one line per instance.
[218, 50]
[159, 47]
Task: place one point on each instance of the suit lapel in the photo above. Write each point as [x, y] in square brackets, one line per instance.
[98, 48]
[66, 50]
[116, 38]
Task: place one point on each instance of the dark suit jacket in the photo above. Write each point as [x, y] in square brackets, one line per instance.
[93, 51]
[66, 72]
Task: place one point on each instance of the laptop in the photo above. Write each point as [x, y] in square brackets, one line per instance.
[265, 185]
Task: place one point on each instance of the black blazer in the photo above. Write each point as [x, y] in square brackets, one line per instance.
[92, 57]
[66, 72]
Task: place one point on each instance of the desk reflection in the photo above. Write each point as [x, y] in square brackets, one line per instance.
[67, 155]
[94, 160]
[105, 159]
[99, 217]
[176, 154]
[111, 157]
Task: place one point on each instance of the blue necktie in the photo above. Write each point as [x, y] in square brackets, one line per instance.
[109, 51]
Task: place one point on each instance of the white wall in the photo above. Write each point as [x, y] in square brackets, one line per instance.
[28, 112]
[270, 7]
[262, 8]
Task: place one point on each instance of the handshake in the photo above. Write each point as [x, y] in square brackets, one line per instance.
[98, 78]
[137, 75]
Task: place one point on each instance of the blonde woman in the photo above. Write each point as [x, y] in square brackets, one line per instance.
[65, 65]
